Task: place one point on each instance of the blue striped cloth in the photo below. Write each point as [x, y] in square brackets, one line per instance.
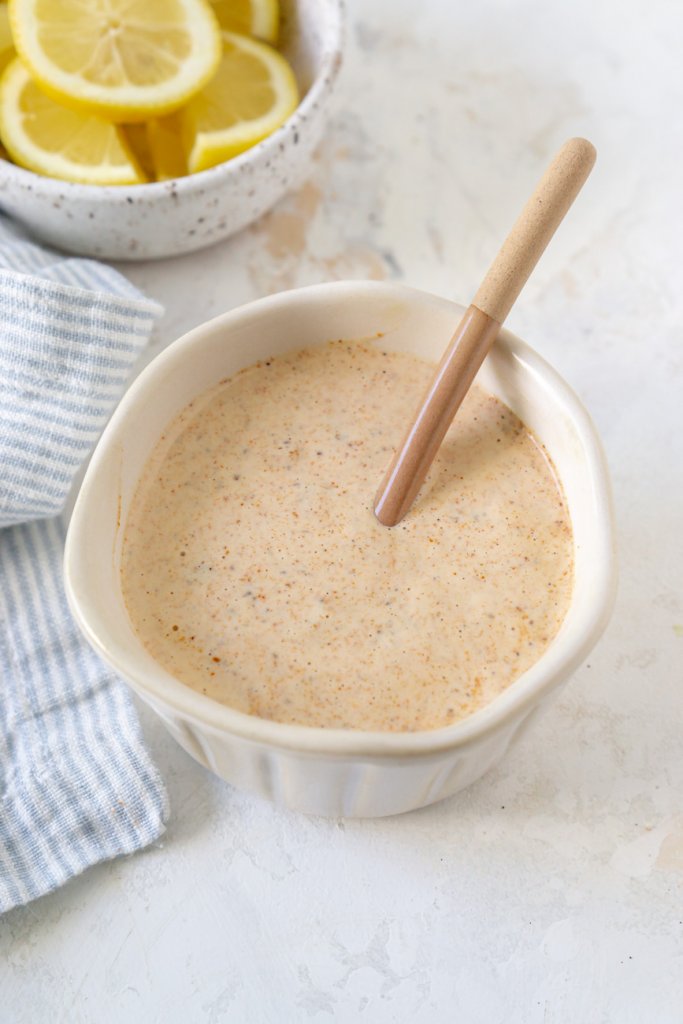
[76, 783]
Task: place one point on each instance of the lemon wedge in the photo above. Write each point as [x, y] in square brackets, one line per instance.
[168, 156]
[125, 60]
[138, 143]
[51, 139]
[252, 93]
[260, 18]
[158, 147]
[6, 41]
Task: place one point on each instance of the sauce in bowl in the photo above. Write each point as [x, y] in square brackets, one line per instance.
[255, 572]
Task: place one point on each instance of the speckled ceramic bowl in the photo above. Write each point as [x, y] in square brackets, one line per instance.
[172, 217]
[329, 771]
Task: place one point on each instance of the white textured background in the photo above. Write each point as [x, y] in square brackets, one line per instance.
[551, 891]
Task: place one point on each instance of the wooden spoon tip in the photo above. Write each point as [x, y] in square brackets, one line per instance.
[583, 150]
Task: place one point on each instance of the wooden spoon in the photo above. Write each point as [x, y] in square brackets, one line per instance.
[480, 325]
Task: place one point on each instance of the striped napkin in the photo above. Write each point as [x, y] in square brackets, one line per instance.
[76, 783]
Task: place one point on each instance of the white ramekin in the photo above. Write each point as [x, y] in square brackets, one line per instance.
[166, 218]
[318, 771]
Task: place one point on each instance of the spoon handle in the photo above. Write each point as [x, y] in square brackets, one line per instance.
[533, 229]
[480, 325]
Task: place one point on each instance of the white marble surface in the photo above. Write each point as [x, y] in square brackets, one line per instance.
[551, 891]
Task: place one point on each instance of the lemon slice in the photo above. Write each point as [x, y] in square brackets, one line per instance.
[253, 92]
[260, 18]
[126, 60]
[62, 143]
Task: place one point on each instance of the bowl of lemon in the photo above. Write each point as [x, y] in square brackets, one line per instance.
[139, 129]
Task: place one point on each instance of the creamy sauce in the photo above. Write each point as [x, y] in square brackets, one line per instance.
[255, 572]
